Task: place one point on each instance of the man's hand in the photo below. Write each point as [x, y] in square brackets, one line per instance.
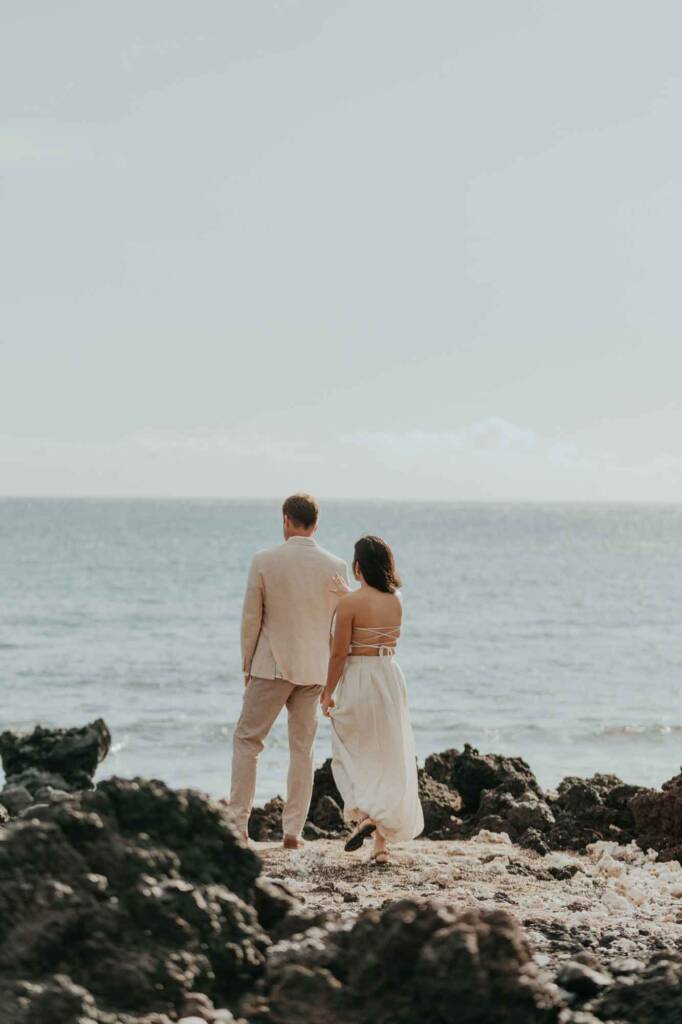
[327, 702]
[246, 678]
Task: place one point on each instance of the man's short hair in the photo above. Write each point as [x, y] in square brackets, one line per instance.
[302, 509]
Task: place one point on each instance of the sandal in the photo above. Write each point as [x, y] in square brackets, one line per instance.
[359, 834]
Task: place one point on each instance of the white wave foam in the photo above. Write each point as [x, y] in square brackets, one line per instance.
[638, 730]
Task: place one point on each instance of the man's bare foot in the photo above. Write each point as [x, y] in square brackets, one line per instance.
[293, 843]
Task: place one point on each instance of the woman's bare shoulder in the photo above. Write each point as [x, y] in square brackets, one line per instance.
[385, 607]
[348, 602]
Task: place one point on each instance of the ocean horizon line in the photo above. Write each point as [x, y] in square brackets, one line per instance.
[427, 500]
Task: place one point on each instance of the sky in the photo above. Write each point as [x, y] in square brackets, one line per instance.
[380, 248]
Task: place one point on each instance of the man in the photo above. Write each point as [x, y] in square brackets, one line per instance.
[286, 624]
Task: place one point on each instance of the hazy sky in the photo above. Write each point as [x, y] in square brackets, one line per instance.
[402, 248]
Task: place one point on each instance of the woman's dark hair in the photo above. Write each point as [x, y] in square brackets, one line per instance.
[377, 564]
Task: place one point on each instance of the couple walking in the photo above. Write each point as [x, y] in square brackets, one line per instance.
[301, 625]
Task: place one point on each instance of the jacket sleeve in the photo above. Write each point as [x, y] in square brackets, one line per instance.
[343, 573]
[252, 615]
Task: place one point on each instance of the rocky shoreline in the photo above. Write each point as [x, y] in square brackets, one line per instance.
[132, 903]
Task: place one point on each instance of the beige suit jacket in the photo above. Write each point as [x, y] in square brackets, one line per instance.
[288, 612]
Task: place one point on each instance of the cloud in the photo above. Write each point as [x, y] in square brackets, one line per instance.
[495, 458]
[19, 149]
[24, 150]
[158, 462]
[488, 459]
[491, 438]
[203, 443]
[37, 144]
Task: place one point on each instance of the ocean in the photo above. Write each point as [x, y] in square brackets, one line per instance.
[549, 631]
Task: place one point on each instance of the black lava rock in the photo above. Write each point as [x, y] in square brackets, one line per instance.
[72, 754]
[128, 898]
[470, 773]
[411, 961]
[441, 806]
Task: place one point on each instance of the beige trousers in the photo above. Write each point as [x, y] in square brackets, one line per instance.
[263, 701]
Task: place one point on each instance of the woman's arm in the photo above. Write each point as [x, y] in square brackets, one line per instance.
[339, 652]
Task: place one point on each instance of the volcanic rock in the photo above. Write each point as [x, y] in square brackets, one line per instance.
[500, 811]
[441, 806]
[55, 999]
[329, 814]
[72, 754]
[658, 819]
[470, 773]
[413, 961]
[583, 979]
[273, 902]
[651, 995]
[498, 794]
[14, 799]
[533, 839]
[265, 823]
[326, 804]
[501, 794]
[589, 810]
[311, 831]
[129, 897]
[35, 780]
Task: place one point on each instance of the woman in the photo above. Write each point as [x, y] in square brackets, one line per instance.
[373, 757]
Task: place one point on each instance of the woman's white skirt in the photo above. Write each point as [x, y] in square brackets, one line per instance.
[373, 756]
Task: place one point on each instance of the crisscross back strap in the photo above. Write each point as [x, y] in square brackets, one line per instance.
[380, 637]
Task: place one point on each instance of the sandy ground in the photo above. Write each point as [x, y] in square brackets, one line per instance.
[614, 901]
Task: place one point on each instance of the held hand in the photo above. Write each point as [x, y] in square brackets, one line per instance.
[246, 679]
[339, 586]
[327, 702]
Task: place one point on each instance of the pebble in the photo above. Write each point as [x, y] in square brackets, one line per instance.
[498, 867]
[585, 981]
[485, 836]
[15, 799]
